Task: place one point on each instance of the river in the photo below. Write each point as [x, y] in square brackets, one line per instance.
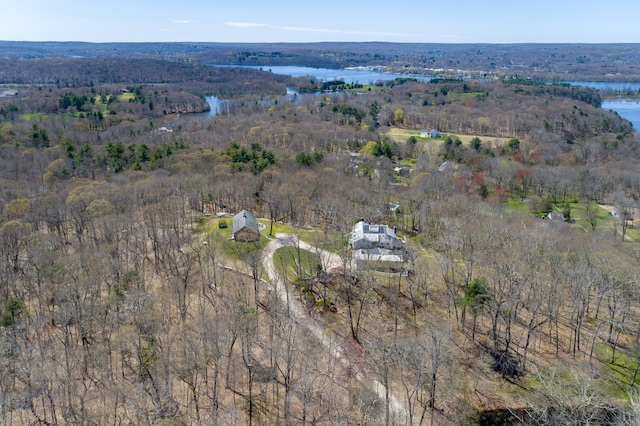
[363, 75]
[608, 86]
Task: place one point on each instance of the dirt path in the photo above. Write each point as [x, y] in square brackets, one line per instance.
[346, 352]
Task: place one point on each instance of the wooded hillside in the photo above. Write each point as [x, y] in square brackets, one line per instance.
[123, 299]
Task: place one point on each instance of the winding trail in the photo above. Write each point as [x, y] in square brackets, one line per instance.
[346, 351]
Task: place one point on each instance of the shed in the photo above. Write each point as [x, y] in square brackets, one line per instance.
[555, 217]
[403, 171]
[245, 227]
[435, 133]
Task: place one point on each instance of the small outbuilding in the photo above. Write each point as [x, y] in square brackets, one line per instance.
[402, 171]
[555, 217]
[245, 227]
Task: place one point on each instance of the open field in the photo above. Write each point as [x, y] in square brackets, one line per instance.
[398, 134]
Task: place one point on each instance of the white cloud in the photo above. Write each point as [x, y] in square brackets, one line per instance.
[309, 30]
[182, 21]
[245, 24]
[314, 30]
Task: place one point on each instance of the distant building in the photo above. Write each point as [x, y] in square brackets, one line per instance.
[245, 227]
[622, 214]
[433, 133]
[402, 171]
[447, 166]
[555, 217]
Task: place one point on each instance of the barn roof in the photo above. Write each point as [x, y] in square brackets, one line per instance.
[244, 219]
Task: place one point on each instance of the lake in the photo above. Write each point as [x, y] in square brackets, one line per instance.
[626, 109]
[360, 75]
[607, 86]
[629, 110]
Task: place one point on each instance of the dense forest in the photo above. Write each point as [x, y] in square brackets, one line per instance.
[124, 300]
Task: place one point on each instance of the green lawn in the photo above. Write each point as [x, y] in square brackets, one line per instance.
[209, 228]
[622, 369]
[125, 97]
[579, 214]
[398, 134]
[633, 232]
[366, 88]
[28, 117]
[517, 206]
[294, 264]
[97, 101]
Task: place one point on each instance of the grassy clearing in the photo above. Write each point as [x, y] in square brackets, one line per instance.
[517, 206]
[28, 117]
[397, 134]
[579, 214]
[278, 228]
[126, 97]
[210, 230]
[603, 219]
[633, 232]
[487, 141]
[294, 264]
[102, 106]
[366, 88]
[623, 369]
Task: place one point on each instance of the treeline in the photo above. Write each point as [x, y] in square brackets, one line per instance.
[138, 101]
[83, 72]
[580, 93]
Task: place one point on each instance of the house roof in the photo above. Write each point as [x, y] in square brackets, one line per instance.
[244, 219]
[555, 216]
[376, 234]
[363, 230]
[377, 255]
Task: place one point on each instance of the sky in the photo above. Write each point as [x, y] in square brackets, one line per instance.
[426, 21]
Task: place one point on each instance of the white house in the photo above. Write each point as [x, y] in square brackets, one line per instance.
[377, 247]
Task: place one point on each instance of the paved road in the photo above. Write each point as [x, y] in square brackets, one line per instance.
[348, 353]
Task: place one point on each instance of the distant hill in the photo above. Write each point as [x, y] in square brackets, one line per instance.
[595, 62]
